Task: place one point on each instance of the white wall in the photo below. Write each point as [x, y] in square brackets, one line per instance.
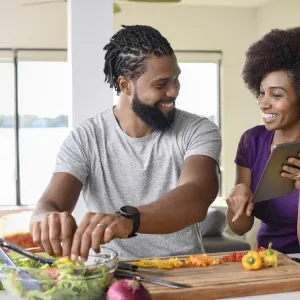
[278, 14]
[230, 30]
[40, 26]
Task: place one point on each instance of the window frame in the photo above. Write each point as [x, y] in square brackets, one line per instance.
[29, 54]
[207, 56]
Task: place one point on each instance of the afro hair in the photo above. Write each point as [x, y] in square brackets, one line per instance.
[279, 50]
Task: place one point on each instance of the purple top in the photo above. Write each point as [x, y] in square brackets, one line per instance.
[279, 215]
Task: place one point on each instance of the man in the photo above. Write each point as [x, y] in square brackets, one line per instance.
[148, 171]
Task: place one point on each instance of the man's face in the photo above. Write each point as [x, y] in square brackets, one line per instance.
[156, 91]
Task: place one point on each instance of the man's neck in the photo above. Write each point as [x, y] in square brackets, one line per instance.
[129, 122]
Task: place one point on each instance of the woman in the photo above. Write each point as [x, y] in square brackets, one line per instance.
[272, 73]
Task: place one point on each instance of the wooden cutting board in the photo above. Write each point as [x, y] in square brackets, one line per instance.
[227, 280]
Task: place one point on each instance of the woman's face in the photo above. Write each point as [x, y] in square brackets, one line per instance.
[277, 101]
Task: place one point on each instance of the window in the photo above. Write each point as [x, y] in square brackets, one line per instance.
[199, 84]
[200, 87]
[7, 136]
[43, 109]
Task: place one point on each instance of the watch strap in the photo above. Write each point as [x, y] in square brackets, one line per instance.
[135, 222]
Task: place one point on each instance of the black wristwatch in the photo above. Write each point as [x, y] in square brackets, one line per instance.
[132, 213]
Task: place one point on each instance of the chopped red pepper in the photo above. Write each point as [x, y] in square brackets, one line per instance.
[261, 249]
[236, 256]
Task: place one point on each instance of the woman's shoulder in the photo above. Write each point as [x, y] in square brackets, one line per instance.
[257, 134]
[253, 146]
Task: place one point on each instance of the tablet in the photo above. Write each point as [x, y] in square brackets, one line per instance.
[272, 184]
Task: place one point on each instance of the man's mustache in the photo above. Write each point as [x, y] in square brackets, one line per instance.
[166, 100]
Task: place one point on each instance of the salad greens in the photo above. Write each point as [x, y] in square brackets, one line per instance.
[20, 261]
[64, 279]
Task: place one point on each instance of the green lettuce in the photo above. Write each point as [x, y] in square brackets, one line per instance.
[69, 282]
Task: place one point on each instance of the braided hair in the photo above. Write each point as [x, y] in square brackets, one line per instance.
[127, 52]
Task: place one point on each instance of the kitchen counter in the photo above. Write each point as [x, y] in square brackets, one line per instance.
[280, 296]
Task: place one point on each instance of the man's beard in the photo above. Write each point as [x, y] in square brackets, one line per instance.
[152, 115]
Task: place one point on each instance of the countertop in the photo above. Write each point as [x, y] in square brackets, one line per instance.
[281, 296]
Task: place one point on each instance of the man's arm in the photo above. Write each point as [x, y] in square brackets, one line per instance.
[183, 206]
[188, 203]
[61, 195]
[51, 221]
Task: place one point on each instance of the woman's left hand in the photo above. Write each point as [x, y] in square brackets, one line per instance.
[293, 172]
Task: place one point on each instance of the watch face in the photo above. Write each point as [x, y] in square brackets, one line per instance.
[130, 210]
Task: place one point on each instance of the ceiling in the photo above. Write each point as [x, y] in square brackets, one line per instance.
[242, 3]
[236, 3]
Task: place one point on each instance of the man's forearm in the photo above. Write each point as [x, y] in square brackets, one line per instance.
[41, 209]
[182, 207]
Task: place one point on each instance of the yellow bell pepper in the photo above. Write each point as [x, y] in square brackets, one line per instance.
[159, 263]
[270, 257]
[252, 261]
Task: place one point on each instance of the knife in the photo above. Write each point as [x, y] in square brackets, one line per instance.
[17, 249]
[128, 275]
[133, 268]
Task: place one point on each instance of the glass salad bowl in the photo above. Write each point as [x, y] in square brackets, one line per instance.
[65, 280]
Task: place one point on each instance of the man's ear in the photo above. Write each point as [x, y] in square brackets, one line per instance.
[125, 85]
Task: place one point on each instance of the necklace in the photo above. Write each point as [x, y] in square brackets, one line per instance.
[274, 141]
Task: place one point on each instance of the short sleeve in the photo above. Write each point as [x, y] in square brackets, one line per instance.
[244, 154]
[203, 138]
[72, 158]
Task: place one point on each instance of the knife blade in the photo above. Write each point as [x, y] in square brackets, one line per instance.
[127, 275]
[133, 268]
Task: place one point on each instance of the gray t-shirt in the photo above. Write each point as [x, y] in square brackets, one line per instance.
[116, 170]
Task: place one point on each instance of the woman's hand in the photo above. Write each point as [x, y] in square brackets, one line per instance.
[293, 172]
[240, 201]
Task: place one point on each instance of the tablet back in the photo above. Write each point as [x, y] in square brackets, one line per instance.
[272, 184]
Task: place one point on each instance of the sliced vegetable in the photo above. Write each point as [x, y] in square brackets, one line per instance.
[127, 289]
[261, 249]
[159, 263]
[269, 257]
[252, 261]
[236, 256]
[202, 260]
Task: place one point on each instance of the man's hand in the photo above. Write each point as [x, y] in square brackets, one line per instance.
[52, 230]
[96, 229]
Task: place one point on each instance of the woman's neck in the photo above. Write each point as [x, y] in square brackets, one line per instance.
[291, 134]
